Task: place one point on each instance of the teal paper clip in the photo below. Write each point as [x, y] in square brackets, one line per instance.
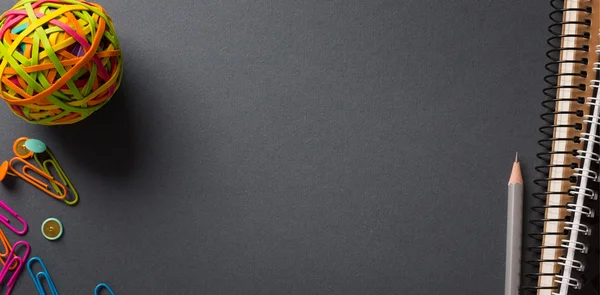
[103, 286]
[37, 278]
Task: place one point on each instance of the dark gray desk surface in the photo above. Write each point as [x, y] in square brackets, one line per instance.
[296, 147]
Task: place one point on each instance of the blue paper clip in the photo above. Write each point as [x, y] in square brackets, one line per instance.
[37, 278]
[105, 286]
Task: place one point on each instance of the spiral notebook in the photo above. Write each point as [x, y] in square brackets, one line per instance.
[561, 243]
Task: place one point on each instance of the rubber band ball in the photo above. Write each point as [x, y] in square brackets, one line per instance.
[60, 60]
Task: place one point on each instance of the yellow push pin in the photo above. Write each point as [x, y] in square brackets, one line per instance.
[20, 149]
[52, 229]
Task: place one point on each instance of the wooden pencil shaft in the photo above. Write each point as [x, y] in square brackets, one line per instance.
[513, 238]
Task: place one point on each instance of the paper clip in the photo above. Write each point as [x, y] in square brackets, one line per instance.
[37, 278]
[35, 181]
[13, 258]
[6, 245]
[51, 162]
[6, 222]
[103, 286]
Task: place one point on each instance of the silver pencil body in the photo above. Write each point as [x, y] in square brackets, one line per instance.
[513, 238]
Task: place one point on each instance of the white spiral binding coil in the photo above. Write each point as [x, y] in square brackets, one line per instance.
[590, 173]
[581, 192]
[576, 264]
[571, 282]
[590, 193]
[580, 227]
[581, 209]
[575, 245]
[582, 155]
[590, 138]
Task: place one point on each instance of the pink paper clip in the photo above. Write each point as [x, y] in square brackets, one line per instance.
[6, 222]
[12, 258]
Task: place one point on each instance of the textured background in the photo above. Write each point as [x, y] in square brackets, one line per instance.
[296, 147]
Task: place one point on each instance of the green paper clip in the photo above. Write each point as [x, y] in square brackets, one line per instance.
[51, 162]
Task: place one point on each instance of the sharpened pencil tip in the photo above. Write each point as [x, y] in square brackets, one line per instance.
[517, 157]
[515, 174]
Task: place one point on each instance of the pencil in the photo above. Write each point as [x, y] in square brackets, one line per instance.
[514, 222]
